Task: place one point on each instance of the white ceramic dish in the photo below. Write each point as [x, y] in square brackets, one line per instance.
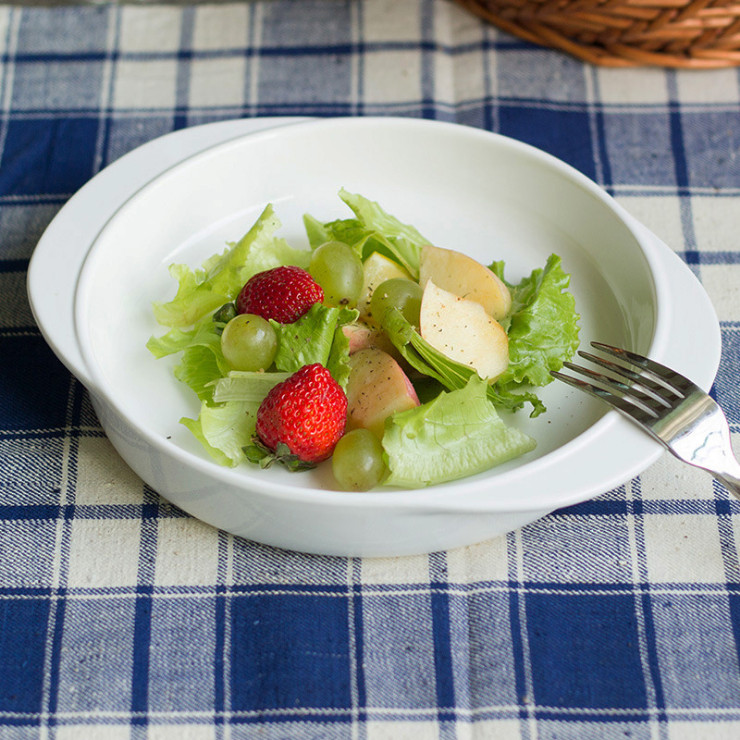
[463, 188]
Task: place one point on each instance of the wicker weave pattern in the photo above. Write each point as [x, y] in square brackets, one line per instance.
[701, 34]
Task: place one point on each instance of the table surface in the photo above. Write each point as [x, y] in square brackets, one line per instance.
[121, 617]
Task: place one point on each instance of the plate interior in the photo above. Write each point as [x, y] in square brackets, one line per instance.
[462, 188]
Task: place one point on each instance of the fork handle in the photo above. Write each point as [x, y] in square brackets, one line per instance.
[729, 475]
[729, 481]
[708, 444]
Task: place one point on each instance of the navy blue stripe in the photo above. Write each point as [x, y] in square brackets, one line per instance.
[687, 506]
[180, 119]
[30, 512]
[722, 257]
[45, 512]
[143, 608]
[347, 49]
[48, 433]
[594, 507]
[15, 720]
[13, 265]
[426, 24]
[734, 606]
[140, 658]
[443, 667]
[306, 108]
[439, 603]
[606, 507]
[32, 592]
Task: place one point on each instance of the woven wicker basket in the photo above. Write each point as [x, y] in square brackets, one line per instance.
[690, 34]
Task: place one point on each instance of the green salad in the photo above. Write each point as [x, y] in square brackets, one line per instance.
[459, 341]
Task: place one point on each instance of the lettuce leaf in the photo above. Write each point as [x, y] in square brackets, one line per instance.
[543, 326]
[456, 435]
[349, 230]
[338, 361]
[315, 337]
[224, 429]
[372, 230]
[202, 361]
[243, 385]
[226, 422]
[222, 276]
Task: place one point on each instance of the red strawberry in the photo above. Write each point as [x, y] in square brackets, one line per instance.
[283, 293]
[301, 419]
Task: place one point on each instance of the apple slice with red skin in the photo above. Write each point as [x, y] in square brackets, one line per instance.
[377, 388]
[361, 336]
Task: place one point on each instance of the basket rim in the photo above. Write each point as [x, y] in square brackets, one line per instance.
[680, 34]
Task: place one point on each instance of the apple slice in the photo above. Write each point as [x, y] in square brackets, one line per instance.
[362, 336]
[376, 270]
[463, 276]
[377, 387]
[462, 330]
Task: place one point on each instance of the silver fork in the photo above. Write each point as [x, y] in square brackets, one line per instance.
[668, 406]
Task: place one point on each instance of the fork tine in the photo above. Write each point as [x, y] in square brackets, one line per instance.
[640, 383]
[632, 407]
[633, 392]
[661, 373]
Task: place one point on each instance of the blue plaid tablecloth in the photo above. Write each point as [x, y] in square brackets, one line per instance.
[121, 617]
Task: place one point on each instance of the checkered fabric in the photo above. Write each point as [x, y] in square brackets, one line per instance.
[121, 617]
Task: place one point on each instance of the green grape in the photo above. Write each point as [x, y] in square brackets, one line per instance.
[337, 268]
[357, 462]
[249, 342]
[402, 293]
